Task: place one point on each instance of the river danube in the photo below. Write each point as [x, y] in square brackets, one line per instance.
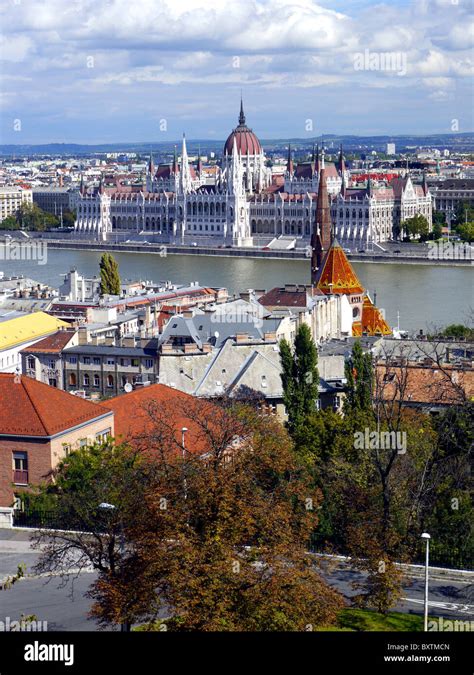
[425, 296]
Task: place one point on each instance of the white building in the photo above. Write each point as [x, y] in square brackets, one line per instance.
[11, 198]
[242, 202]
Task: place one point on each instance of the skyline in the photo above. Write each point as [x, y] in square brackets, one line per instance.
[82, 75]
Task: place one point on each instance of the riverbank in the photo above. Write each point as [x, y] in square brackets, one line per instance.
[164, 249]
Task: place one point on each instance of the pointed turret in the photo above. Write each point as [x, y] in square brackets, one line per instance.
[242, 114]
[322, 230]
[289, 162]
[185, 174]
[175, 167]
[316, 161]
[341, 165]
[151, 165]
[199, 163]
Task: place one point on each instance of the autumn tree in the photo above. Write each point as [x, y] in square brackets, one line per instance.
[216, 533]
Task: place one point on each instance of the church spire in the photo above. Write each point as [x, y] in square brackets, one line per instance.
[151, 165]
[289, 163]
[174, 168]
[322, 231]
[242, 114]
[341, 164]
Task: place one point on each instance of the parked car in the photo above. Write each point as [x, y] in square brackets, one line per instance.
[347, 250]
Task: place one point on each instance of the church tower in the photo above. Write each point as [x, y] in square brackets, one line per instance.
[322, 230]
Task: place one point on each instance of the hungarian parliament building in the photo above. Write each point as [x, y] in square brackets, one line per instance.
[239, 201]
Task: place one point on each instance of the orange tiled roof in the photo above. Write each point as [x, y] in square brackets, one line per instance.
[336, 274]
[31, 408]
[132, 422]
[372, 322]
[426, 384]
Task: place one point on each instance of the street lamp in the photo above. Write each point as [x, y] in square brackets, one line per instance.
[125, 625]
[427, 538]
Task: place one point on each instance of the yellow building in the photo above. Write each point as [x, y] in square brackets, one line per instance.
[21, 332]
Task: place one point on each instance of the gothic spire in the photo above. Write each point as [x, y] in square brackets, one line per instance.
[242, 114]
[289, 163]
[322, 231]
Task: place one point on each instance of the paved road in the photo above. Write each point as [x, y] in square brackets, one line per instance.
[66, 607]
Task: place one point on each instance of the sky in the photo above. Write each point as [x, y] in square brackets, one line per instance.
[105, 71]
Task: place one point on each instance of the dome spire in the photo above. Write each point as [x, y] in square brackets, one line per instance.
[242, 114]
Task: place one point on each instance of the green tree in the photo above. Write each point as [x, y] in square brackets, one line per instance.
[466, 231]
[109, 275]
[417, 226]
[9, 223]
[360, 378]
[300, 378]
[437, 230]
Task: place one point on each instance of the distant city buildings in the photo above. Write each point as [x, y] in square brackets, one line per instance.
[241, 202]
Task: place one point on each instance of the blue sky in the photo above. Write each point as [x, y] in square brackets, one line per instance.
[94, 71]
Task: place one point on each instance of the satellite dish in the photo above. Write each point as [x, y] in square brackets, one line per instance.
[128, 387]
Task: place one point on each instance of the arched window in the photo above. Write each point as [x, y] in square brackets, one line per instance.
[110, 381]
[86, 380]
[96, 380]
[72, 380]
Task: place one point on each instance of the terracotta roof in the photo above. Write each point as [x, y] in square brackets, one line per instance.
[427, 384]
[31, 408]
[336, 274]
[54, 344]
[373, 323]
[132, 422]
[280, 297]
[245, 140]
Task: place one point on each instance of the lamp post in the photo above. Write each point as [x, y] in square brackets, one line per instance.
[125, 625]
[427, 538]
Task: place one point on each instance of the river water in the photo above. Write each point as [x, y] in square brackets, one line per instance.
[425, 296]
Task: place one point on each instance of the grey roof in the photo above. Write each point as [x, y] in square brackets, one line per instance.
[107, 350]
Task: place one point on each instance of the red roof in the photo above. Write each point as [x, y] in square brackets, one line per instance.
[54, 344]
[281, 297]
[245, 140]
[133, 423]
[31, 408]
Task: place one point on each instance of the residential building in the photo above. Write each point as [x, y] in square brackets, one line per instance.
[39, 426]
[106, 371]
[11, 198]
[20, 332]
[43, 360]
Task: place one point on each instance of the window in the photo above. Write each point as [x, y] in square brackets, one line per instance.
[83, 443]
[110, 361]
[148, 363]
[73, 359]
[124, 362]
[30, 362]
[20, 468]
[86, 360]
[135, 363]
[96, 360]
[52, 364]
[96, 381]
[86, 380]
[110, 381]
[103, 435]
[72, 380]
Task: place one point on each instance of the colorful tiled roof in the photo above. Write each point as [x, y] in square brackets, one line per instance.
[31, 408]
[336, 274]
[26, 328]
[373, 323]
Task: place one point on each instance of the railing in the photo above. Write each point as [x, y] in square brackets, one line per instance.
[20, 477]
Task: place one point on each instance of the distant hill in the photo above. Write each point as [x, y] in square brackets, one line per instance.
[459, 141]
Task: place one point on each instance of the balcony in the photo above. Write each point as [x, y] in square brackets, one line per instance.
[20, 477]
